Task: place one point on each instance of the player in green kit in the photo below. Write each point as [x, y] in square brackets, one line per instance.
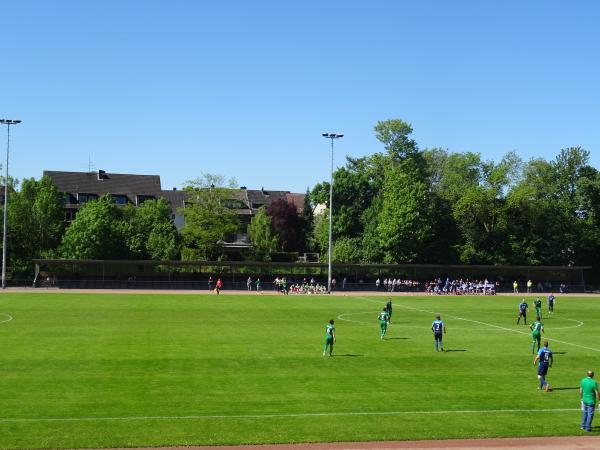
[538, 307]
[329, 338]
[384, 319]
[537, 328]
[388, 305]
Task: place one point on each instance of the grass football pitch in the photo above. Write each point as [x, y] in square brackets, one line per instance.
[108, 370]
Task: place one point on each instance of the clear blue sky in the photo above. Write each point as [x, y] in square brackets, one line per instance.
[246, 88]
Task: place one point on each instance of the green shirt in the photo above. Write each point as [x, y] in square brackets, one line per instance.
[536, 327]
[329, 330]
[538, 303]
[383, 316]
[589, 386]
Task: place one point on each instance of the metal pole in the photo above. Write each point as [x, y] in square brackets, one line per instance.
[8, 123]
[4, 230]
[330, 220]
[331, 136]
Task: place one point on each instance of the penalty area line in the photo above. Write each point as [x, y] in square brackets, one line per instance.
[287, 415]
[8, 317]
[494, 326]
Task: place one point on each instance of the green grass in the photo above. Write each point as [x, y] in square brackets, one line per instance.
[147, 370]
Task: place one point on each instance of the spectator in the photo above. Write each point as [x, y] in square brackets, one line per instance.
[589, 395]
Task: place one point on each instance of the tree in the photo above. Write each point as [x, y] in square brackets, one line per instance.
[404, 223]
[450, 174]
[163, 241]
[347, 250]
[149, 230]
[481, 213]
[261, 236]
[320, 235]
[394, 135]
[308, 221]
[286, 224]
[96, 232]
[208, 220]
[35, 223]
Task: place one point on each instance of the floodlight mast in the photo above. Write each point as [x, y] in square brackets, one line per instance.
[331, 136]
[8, 123]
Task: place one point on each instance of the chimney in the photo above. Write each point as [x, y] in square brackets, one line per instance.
[174, 188]
[101, 175]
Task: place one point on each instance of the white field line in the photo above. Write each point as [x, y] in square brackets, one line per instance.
[285, 415]
[490, 325]
[7, 319]
[375, 321]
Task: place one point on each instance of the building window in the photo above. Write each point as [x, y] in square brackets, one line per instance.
[120, 199]
[142, 198]
[69, 199]
[70, 215]
[234, 204]
[84, 198]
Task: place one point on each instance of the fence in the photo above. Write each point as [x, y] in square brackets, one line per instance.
[194, 275]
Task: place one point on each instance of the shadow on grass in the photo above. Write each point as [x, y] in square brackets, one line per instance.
[347, 354]
[559, 353]
[401, 338]
[454, 350]
[564, 388]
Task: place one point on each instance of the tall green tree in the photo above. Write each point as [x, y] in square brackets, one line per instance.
[308, 221]
[481, 213]
[96, 232]
[404, 222]
[149, 231]
[208, 219]
[394, 134]
[320, 235]
[263, 240]
[35, 223]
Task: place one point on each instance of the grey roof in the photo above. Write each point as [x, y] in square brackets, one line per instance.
[110, 183]
[262, 197]
[133, 185]
[177, 199]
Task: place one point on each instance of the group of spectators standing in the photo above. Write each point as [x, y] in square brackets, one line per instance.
[461, 287]
[395, 284]
[437, 286]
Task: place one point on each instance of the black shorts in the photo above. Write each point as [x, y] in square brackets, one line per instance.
[437, 336]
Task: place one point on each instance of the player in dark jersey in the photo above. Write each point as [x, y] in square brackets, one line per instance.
[439, 328]
[544, 357]
[388, 306]
[523, 307]
[551, 299]
[538, 307]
